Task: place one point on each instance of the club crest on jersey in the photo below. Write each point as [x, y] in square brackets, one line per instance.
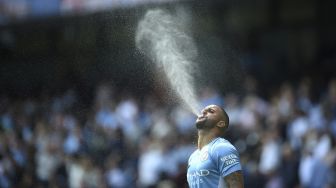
[204, 156]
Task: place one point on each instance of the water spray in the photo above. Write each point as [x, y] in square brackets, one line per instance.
[162, 37]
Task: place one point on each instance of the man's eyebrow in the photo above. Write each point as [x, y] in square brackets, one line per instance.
[209, 108]
[206, 109]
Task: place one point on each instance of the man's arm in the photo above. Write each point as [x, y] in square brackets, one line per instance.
[234, 180]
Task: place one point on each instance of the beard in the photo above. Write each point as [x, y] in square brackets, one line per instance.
[205, 124]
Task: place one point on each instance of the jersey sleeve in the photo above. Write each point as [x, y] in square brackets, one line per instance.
[226, 158]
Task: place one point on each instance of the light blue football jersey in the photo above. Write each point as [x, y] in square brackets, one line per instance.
[217, 159]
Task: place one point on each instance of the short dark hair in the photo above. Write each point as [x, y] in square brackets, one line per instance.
[226, 116]
[226, 120]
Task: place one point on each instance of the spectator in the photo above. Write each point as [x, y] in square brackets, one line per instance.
[285, 140]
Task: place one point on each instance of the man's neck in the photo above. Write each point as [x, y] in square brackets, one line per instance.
[204, 138]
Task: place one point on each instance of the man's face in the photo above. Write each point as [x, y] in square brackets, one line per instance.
[209, 117]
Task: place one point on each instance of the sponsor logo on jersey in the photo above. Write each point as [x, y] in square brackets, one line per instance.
[229, 159]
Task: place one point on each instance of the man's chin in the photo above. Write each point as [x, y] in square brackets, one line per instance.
[199, 125]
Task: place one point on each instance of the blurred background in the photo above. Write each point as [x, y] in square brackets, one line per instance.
[81, 107]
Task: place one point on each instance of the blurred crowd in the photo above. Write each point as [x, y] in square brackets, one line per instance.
[121, 140]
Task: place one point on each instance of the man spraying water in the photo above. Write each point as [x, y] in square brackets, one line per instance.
[162, 38]
[215, 157]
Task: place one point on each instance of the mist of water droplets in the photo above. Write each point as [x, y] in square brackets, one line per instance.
[162, 37]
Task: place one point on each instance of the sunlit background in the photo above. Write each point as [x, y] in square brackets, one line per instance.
[81, 107]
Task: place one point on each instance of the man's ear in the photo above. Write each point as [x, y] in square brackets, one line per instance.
[222, 124]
